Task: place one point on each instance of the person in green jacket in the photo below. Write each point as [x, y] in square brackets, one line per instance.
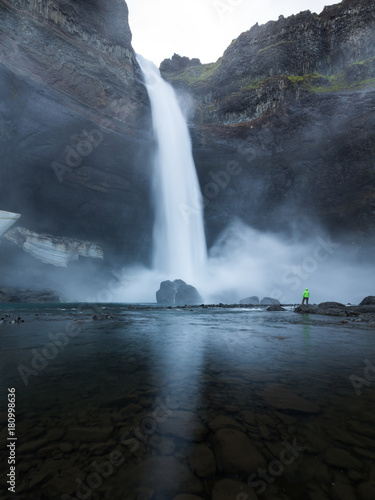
[306, 295]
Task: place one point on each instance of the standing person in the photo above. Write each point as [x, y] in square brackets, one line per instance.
[306, 295]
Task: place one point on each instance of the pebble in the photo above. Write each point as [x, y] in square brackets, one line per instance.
[341, 458]
[184, 424]
[89, 434]
[202, 461]
[228, 489]
[166, 475]
[366, 491]
[282, 398]
[223, 421]
[236, 454]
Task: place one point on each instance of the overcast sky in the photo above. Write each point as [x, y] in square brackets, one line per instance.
[202, 28]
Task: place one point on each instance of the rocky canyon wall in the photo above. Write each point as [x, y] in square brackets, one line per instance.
[290, 107]
[75, 123]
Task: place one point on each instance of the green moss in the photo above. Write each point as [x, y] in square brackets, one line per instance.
[276, 45]
[195, 74]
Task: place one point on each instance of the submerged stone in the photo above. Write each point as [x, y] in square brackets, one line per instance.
[184, 424]
[166, 475]
[341, 458]
[236, 454]
[228, 489]
[280, 397]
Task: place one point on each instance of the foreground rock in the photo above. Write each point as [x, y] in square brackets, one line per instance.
[275, 308]
[177, 293]
[364, 311]
[236, 454]
[165, 475]
[280, 397]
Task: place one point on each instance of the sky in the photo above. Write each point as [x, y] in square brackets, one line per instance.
[202, 28]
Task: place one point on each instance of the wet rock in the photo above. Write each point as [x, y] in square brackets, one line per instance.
[275, 308]
[89, 434]
[61, 483]
[342, 491]
[341, 458]
[368, 301]
[177, 293]
[187, 497]
[366, 491]
[32, 446]
[251, 301]
[280, 397]
[310, 309]
[223, 421]
[184, 424]
[166, 475]
[248, 417]
[166, 446]
[65, 447]
[228, 489]
[236, 454]
[202, 461]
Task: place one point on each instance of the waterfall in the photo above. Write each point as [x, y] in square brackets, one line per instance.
[179, 244]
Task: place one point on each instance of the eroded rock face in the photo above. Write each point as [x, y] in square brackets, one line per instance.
[75, 123]
[177, 293]
[58, 251]
[284, 123]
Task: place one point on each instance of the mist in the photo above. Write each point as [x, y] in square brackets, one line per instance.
[244, 262]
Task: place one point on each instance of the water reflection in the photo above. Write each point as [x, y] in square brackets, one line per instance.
[194, 393]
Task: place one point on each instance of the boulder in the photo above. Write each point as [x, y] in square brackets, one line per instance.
[269, 301]
[236, 455]
[331, 309]
[178, 293]
[275, 308]
[251, 301]
[311, 309]
[368, 301]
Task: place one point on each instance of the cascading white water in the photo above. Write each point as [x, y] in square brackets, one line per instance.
[179, 244]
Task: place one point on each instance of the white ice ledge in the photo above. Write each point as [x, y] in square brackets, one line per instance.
[55, 250]
[7, 219]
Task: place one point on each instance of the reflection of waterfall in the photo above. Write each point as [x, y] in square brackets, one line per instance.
[179, 241]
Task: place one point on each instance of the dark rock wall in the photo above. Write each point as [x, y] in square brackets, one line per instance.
[75, 123]
[292, 105]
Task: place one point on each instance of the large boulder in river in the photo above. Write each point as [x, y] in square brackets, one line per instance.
[178, 293]
[368, 301]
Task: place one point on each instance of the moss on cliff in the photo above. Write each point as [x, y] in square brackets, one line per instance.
[191, 76]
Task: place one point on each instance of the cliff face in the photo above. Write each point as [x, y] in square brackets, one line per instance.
[74, 120]
[292, 104]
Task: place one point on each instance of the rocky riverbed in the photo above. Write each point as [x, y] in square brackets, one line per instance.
[189, 403]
